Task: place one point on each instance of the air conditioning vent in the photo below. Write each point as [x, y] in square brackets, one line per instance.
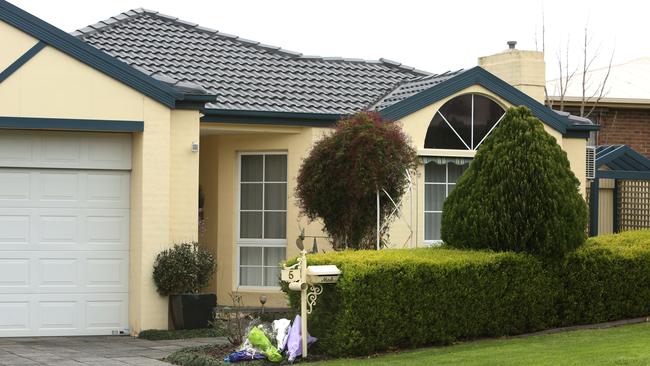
[591, 162]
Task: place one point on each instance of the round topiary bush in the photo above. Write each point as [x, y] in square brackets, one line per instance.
[518, 194]
[183, 269]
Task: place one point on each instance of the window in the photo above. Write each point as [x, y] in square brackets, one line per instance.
[439, 180]
[262, 232]
[463, 123]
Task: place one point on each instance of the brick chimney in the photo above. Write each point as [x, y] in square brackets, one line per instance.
[525, 70]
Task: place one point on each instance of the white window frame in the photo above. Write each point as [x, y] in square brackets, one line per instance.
[434, 242]
[259, 242]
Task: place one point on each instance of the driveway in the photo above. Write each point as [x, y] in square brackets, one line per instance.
[97, 351]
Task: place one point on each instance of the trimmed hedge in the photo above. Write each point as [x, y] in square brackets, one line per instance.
[406, 298]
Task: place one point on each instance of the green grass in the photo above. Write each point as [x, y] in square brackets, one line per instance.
[158, 335]
[625, 345]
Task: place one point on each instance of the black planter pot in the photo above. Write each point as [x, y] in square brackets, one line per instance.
[192, 311]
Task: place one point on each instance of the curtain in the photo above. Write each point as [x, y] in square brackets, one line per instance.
[444, 160]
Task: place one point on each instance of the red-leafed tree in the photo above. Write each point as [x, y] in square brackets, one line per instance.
[338, 181]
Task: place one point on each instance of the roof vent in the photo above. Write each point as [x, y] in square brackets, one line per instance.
[590, 171]
[512, 44]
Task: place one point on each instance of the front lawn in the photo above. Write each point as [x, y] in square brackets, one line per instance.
[625, 345]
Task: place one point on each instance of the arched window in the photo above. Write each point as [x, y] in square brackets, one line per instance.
[463, 123]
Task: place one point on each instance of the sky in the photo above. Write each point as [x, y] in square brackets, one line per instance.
[435, 36]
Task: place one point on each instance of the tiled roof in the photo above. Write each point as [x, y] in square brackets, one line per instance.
[245, 75]
[409, 88]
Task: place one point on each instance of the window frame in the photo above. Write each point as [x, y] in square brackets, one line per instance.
[434, 242]
[257, 242]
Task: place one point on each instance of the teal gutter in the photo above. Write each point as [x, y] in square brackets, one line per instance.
[71, 124]
[270, 118]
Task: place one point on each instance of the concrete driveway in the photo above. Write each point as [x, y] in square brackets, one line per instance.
[97, 351]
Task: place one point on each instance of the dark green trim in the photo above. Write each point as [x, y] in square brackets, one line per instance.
[20, 61]
[270, 118]
[623, 174]
[593, 206]
[91, 56]
[615, 213]
[576, 134]
[71, 124]
[479, 76]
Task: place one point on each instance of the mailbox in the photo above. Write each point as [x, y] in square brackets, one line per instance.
[308, 280]
[323, 274]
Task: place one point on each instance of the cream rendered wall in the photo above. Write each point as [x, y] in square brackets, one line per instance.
[575, 149]
[14, 44]
[164, 175]
[184, 176]
[525, 70]
[220, 201]
[208, 181]
[52, 82]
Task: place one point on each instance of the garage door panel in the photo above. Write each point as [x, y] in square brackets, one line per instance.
[58, 315]
[59, 187]
[62, 274]
[15, 316]
[15, 229]
[15, 273]
[107, 189]
[58, 228]
[70, 150]
[16, 186]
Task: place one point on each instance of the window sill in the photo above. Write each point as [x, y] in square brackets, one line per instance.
[258, 289]
[447, 152]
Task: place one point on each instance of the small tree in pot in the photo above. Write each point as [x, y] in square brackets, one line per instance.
[180, 272]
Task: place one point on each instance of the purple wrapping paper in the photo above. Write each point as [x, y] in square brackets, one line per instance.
[294, 342]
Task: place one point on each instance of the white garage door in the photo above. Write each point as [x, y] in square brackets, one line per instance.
[64, 233]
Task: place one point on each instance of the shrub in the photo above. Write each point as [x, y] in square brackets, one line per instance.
[607, 279]
[159, 334]
[339, 179]
[413, 297]
[518, 194]
[184, 268]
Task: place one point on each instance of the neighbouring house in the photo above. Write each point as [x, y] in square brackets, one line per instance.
[108, 134]
[622, 110]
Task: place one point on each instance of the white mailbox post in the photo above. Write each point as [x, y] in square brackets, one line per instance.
[308, 280]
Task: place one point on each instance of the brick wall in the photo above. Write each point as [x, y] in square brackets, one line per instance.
[623, 126]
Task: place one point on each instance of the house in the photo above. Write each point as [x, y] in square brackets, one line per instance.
[622, 109]
[108, 134]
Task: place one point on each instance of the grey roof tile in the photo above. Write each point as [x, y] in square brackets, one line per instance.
[247, 75]
[411, 87]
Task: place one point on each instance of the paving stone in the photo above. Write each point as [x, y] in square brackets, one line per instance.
[93, 351]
